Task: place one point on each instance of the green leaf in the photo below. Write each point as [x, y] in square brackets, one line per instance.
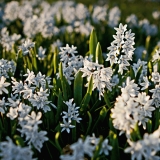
[93, 44]
[55, 60]
[63, 82]
[57, 142]
[34, 60]
[87, 96]
[149, 126]
[19, 141]
[138, 74]
[102, 116]
[99, 57]
[89, 124]
[78, 82]
[150, 67]
[114, 143]
[74, 133]
[106, 99]
[132, 75]
[59, 106]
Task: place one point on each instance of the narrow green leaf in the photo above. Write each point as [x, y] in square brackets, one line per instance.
[64, 88]
[138, 74]
[78, 82]
[57, 142]
[149, 126]
[132, 75]
[106, 99]
[114, 143]
[59, 106]
[74, 134]
[157, 118]
[93, 44]
[34, 60]
[101, 117]
[150, 67]
[90, 85]
[87, 96]
[55, 60]
[99, 57]
[89, 123]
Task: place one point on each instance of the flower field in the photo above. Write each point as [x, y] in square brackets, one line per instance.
[78, 82]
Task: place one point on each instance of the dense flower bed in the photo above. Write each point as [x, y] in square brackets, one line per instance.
[68, 93]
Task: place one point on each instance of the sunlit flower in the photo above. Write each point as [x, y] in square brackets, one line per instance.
[3, 85]
[26, 46]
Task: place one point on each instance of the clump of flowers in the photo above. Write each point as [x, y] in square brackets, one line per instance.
[69, 116]
[101, 76]
[121, 49]
[131, 108]
[70, 62]
[146, 148]
[86, 147]
[9, 150]
[7, 68]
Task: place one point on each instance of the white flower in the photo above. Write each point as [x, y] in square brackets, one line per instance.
[30, 76]
[26, 46]
[156, 56]
[17, 86]
[155, 77]
[3, 105]
[41, 53]
[3, 85]
[105, 147]
[13, 113]
[66, 126]
[112, 58]
[23, 110]
[145, 84]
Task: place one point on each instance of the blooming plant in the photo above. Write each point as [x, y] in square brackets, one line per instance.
[63, 97]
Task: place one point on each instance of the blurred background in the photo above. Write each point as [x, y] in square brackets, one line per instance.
[142, 8]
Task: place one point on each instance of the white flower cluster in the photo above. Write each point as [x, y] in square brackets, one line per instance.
[29, 124]
[29, 128]
[136, 67]
[156, 91]
[70, 62]
[6, 67]
[34, 89]
[124, 41]
[86, 147]
[26, 46]
[7, 40]
[71, 114]
[101, 76]
[131, 108]
[10, 151]
[146, 148]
